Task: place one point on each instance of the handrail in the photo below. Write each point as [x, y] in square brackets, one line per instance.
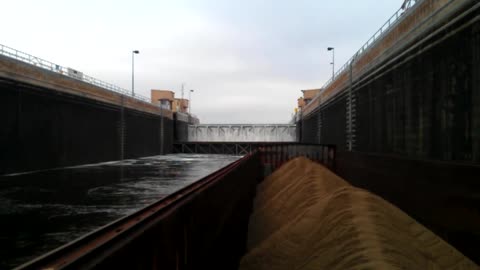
[386, 27]
[69, 72]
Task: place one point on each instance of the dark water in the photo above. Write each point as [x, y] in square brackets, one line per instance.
[43, 210]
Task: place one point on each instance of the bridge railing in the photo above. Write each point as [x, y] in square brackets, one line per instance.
[65, 71]
[385, 28]
[202, 226]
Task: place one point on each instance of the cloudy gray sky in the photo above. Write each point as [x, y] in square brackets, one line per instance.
[247, 60]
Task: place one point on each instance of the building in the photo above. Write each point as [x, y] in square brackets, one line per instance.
[301, 103]
[168, 101]
[164, 97]
[180, 105]
[308, 95]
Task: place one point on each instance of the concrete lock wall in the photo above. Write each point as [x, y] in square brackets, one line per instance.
[181, 122]
[49, 120]
[45, 129]
[423, 101]
[407, 122]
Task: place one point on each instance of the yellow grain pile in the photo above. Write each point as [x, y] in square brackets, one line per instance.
[306, 217]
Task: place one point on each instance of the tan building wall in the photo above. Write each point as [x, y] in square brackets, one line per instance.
[176, 104]
[301, 103]
[310, 93]
[156, 95]
[166, 97]
[180, 105]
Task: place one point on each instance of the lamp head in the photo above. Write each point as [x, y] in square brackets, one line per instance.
[330, 48]
[136, 51]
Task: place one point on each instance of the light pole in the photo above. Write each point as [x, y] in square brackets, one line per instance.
[133, 76]
[190, 101]
[333, 61]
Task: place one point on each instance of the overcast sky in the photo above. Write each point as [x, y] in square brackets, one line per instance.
[246, 60]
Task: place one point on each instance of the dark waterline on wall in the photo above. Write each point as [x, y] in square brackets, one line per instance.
[43, 210]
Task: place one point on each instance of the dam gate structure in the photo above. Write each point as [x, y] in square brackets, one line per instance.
[242, 133]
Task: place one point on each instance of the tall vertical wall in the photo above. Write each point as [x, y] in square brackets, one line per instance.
[44, 128]
[420, 102]
[415, 121]
[475, 75]
[181, 122]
